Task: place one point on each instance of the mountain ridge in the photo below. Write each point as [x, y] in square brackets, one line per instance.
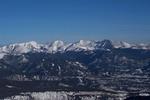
[61, 46]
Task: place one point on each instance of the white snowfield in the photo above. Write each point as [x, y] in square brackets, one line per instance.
[40, 96]
[60, 46]
[65, 96]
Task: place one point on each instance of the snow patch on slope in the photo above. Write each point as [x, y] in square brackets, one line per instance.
[2, 55]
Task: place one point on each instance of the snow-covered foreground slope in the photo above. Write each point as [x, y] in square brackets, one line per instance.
[86, 95]
[66, 96]
[40, 96]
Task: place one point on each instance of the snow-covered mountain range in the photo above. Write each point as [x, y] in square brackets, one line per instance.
[114, 68]
[60, 46]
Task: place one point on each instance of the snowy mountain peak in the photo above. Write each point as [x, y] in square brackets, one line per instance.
[29, 45]
[20, 47]
[121, 44]
[58, 43]
[56, 46]
[32, 43]
[125, 44]
[81, 45]
[105, 44]
[84, 42]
